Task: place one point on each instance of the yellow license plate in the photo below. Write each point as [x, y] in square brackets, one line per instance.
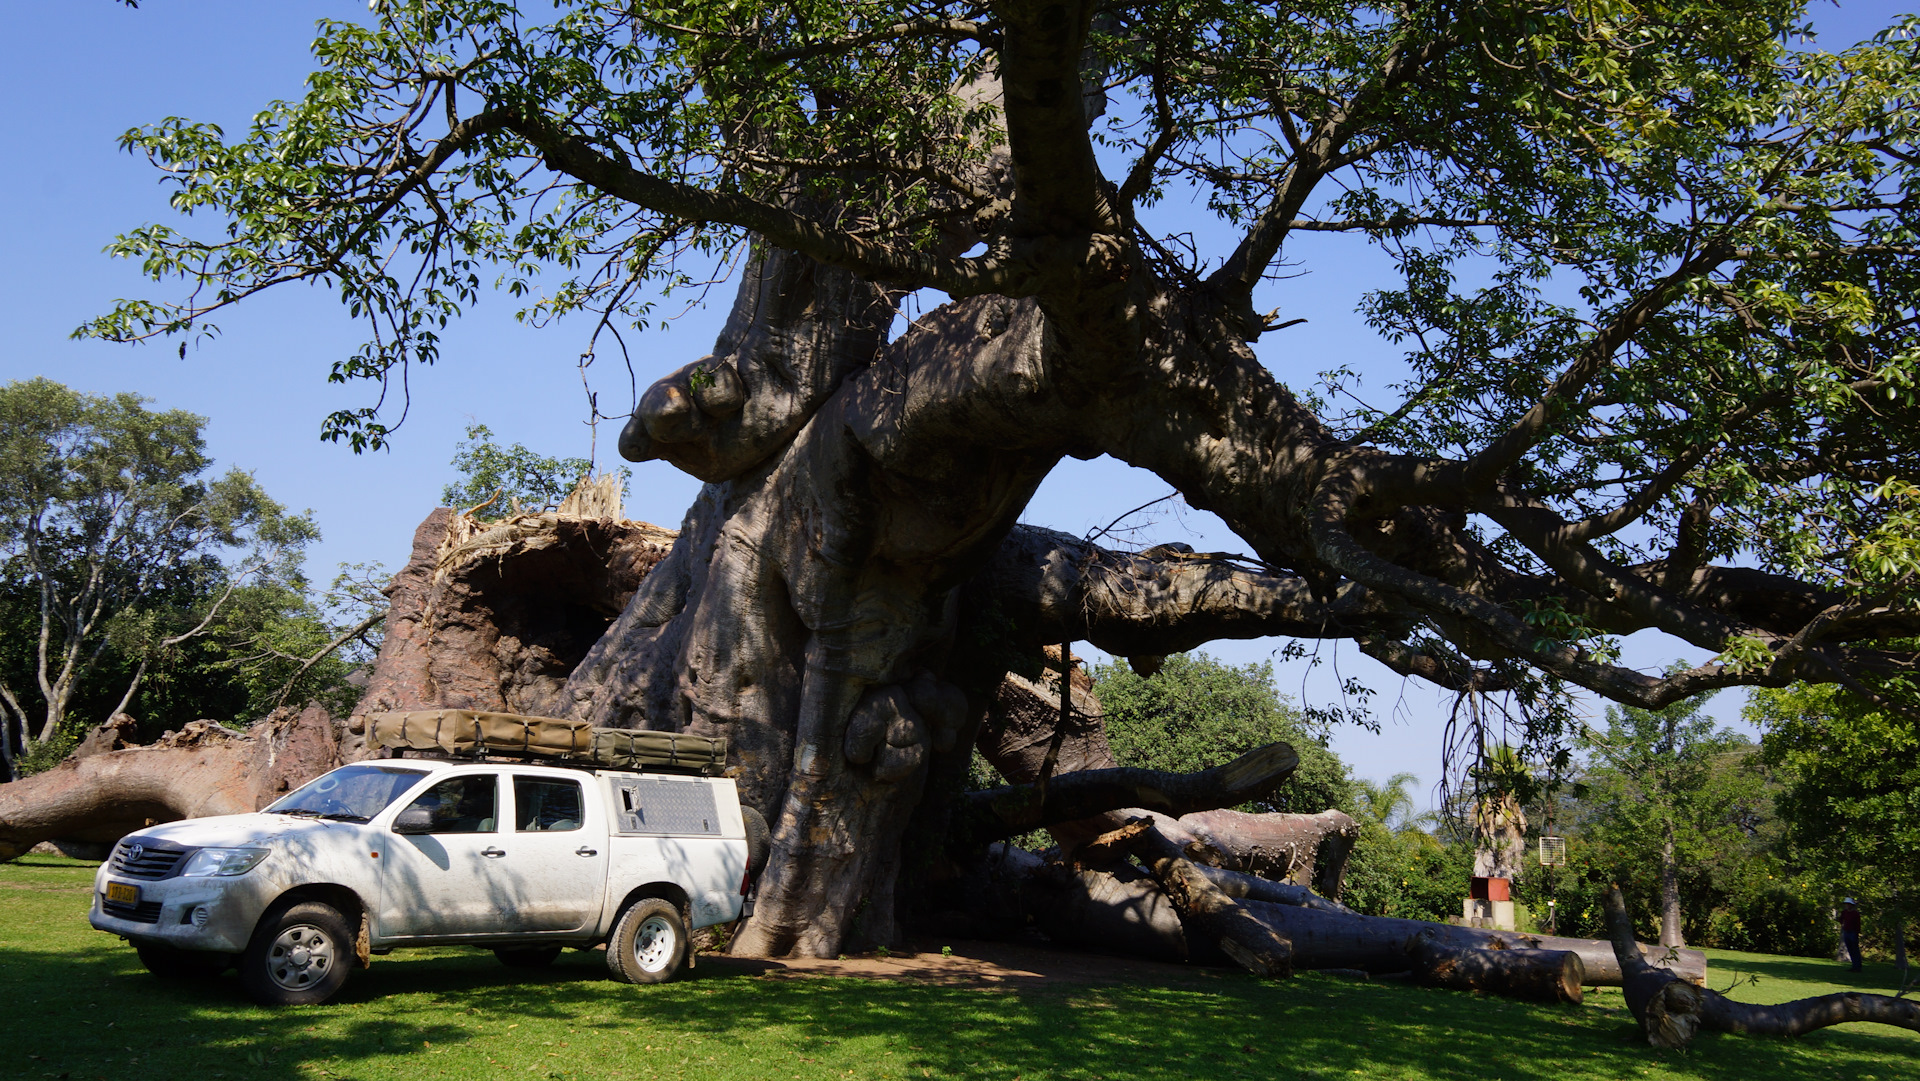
[123, 893]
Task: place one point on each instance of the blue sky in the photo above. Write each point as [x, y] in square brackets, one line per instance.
[77, 73]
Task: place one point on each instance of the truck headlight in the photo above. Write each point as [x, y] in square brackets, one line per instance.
[222, 862]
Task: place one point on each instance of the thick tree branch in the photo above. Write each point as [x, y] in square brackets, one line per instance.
[1005, 812]
[1165, 600]
[996, 272]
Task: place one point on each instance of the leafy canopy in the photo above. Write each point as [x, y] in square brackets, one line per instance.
[1656, 260]
[1852, 789]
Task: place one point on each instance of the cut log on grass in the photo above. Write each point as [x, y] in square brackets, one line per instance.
[1671, 1011]
[203, 769]
[1538, 975]
[1378, 944]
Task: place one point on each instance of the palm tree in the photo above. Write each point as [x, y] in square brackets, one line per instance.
[1501, 782]
[1391, 805]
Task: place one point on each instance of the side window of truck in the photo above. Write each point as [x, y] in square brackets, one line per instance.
[458, 805]
[546, 805]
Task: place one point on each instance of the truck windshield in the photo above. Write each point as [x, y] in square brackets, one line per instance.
[350, 794]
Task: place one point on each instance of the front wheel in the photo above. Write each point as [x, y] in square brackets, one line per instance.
[300, 955]
[173, 963]
[649, 942]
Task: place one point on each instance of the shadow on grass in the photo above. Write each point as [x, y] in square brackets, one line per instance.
[91, 1012]
[1883, 979]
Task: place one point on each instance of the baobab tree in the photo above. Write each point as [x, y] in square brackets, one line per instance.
[1655, 281]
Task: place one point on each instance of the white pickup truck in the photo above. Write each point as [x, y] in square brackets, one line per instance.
[523, 858]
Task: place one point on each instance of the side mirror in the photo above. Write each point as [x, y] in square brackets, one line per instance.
[415, 819]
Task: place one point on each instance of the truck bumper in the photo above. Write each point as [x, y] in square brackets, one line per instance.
[187, 913]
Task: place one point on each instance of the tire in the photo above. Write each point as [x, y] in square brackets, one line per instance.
[533, 957]
[649, 942]
[300, 955]
[759, 842]
[173, 963]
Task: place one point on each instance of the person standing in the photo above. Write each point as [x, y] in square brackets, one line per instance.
[1850, 930]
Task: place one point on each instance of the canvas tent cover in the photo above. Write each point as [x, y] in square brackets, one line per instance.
[467, 731]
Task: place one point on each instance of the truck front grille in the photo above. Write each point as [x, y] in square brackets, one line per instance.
[153, 860]
[144, 912]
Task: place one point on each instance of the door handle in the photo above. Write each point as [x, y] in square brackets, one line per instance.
[583, 850]
[493, 853]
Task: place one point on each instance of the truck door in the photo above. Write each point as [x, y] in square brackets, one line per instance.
[556, 861]
[437, 874]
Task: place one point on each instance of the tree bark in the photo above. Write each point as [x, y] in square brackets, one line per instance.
[1539, 975]
[1227, 925]
[1671, 1011]
[203, 769]
[1284, 847]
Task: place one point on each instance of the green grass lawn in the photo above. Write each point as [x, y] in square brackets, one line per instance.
[76, 1005]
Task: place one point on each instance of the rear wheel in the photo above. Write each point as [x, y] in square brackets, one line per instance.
[535, 957]
[172, 963]
[759, 841]
[300, 954]
[649, 942]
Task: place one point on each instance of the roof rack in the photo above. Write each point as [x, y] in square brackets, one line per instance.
[475, 733]
[556, 761]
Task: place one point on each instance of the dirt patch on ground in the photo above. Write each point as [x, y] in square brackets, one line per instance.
[972, 964]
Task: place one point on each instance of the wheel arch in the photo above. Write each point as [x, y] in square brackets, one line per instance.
[342, 899]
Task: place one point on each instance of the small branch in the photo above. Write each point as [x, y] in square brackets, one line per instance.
[343, 639]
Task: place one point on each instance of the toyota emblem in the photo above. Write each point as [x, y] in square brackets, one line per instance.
[135, 852]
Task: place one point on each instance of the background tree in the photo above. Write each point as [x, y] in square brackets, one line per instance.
[1399, 867]
[496, 482]
[129, 575]
[1391, 805]
[1852, 798]
[1197, 712]
[1655, 274]
[1667, 790]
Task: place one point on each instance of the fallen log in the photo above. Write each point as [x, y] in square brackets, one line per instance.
[1671, 1011]
[203, 769]
[1538, 975]
[1378, 944]
[1254, 888]
[1281, 847]
[1208, 912]
[1109, 851]
[1024, 725]
[1120, 911]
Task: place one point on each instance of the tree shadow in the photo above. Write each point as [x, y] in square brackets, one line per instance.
[90, 1012]
[1785, 978]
